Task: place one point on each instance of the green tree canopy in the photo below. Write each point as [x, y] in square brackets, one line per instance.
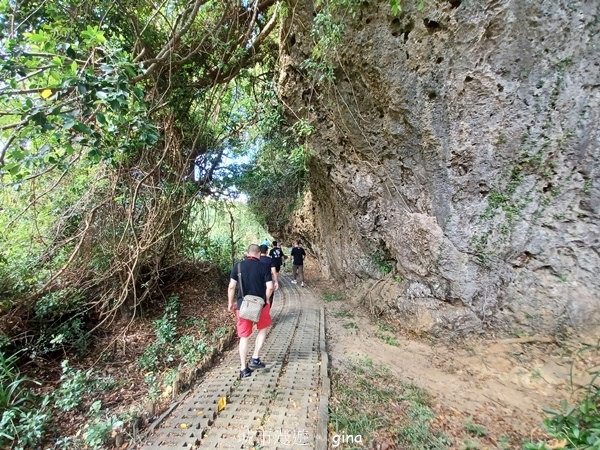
[115, 118]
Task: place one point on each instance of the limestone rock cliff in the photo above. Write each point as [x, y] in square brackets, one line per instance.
[454, 176]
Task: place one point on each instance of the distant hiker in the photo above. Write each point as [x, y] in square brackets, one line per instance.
[256, 280]
[276, 255]
[265, 242]
[268, 262]
[298, 255]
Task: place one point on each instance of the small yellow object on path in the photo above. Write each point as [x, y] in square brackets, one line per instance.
[222, 403]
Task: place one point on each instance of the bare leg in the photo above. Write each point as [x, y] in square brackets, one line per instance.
[301, 273]
[260, 340]
[244, 351]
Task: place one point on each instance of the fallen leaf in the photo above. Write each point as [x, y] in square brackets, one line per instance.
[222, 403]
[182, 425]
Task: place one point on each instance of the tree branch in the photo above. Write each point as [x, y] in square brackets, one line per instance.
[217, 76]
[191, 12]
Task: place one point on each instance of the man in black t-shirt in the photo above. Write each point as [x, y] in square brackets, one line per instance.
[256, 280]
[268, 262]
[276, 255]
[298, 255]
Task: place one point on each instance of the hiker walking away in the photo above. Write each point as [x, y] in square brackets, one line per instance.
[268, 262]
[276, 255]
[298, 255]
[256, 280]
[265, 242]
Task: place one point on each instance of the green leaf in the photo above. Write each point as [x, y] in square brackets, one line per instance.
[12, 168]
[93, 36]
[94, 155]
[17, 154]
[71, 53]
[37, 37]
[68, 121]
[100, 118]
[82, 128]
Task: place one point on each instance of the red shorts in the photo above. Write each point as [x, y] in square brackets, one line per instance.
[244, 326]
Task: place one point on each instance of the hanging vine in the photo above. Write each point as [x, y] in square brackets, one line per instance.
[129, 108]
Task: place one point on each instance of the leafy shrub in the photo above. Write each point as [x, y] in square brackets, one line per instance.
[191, 349]
[188, 348]
[74, 383]
[97, 432]
[60, 322]
[151, 381]
[165, 330]
[167, 348]
[220, 332]
[575, 427]
[275, 179]
[19, 262]
[18, 418]
[151, 358]
[13, 393]
[161, 351]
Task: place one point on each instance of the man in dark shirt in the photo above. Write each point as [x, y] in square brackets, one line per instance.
[256, 280]
[298, 255]
[268, 262]
[276, 255]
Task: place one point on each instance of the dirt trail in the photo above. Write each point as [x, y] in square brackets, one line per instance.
[501, 384]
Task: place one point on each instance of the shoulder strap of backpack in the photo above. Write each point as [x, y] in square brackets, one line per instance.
[240, 278]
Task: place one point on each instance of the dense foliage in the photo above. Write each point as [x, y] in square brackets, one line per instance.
[120, 126]
[116, 120]
[275, 180]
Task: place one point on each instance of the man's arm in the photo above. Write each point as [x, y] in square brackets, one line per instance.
[231, 303]
[275, 277]
[269, 288]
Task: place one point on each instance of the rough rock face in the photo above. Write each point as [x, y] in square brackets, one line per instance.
[455, 175]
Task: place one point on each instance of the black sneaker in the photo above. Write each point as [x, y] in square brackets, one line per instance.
[245, 373]
[256, 363]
